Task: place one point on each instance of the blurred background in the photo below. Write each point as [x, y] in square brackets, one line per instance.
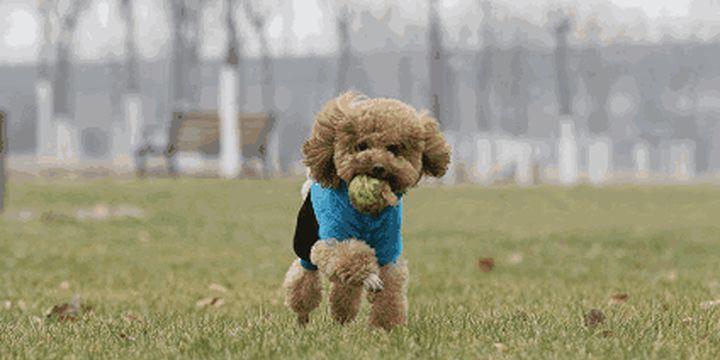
[526, 92]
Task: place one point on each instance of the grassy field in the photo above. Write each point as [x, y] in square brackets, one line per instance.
[558, 254]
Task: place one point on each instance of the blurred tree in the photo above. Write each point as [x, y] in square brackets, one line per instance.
[128, 136]
[186, 29]
[484, 65]
[652, 122]
[3, 151]
[234, 46]
[598, 78]
[405, 78]
[561, 66]
[259, 13]
[512, 87]
[68, 21]
[343, 19]
[47, 11]
[229, 95]
[131, 56]
[517, 123]
[437, 60]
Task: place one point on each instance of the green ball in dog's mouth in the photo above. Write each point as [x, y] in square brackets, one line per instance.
[370, 195]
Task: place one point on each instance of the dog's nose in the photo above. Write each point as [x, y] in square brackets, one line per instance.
[378, 170]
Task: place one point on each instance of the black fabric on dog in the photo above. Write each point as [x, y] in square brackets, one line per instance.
[306, 230]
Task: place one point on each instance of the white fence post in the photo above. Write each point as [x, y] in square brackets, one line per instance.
[641, 157]
[484, 158]
[127, 136]
[450, 177]
[682, 161]
[68, 144]
[567, 153]
[230, 150]
[599, 159]
[45, 127]
[523, 171]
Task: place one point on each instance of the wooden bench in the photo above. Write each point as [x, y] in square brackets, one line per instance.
[3, 152]
[200, 132]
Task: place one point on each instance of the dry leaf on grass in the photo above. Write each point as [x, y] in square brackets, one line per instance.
[20, 304]
[500, 347]
[619, 299]
[515, 258]
[217, 287]
[133, 318]
[127, 337]
[594, 318]
[71, 311]
[486, 264]
[210, 302]
[36, 320]
[709, 304]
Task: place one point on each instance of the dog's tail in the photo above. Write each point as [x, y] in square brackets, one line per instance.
[306, 185]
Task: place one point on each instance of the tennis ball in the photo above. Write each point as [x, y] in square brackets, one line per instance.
[370, 195]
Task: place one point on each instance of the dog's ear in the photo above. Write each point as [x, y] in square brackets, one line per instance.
[319, 149]
[436, 155]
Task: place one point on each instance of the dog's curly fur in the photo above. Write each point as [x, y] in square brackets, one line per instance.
[389, 307]
[303, 291]
[354, 135]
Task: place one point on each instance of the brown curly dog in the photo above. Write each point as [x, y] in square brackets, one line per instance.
[380, 138]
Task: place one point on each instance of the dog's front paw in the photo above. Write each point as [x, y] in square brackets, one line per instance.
[373, 283]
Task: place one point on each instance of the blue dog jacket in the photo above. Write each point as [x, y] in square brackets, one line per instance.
[334, 217]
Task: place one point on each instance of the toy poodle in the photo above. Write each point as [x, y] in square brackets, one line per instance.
[380, 146]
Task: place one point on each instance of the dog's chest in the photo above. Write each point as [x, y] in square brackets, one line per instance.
[338, 219]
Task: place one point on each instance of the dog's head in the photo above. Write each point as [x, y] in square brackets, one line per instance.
[381, 138]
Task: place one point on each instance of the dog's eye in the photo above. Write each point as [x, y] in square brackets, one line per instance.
[361, 146]
[394, 149]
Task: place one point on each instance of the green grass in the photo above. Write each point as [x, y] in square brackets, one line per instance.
[558, 253]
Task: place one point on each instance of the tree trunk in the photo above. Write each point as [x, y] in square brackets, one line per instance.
[437, 63]
[67, 139]
[129, 134]
[45, 124]
[567, 143]
[3, 151]
[344, 50]
[230, 135]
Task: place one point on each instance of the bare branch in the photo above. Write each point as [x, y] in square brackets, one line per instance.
[131, 62]
[232, 57]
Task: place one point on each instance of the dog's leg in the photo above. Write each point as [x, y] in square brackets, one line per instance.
[349, 262]
[389, 306]
[345, 301]
[303, 291]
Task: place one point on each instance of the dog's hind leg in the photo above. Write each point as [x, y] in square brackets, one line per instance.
[345, 301]
[303, 291]
[389, 306]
